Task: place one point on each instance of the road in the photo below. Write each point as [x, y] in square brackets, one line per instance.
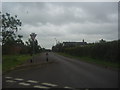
[61, 72]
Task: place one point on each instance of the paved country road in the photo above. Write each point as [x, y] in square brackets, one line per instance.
[61, 72]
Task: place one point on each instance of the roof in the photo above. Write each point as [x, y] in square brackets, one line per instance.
[74, 43]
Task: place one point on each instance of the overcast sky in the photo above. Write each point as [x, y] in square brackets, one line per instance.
[66, 21]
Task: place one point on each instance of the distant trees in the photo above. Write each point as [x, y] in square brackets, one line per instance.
[33, 49]
[102, 41]
[102, 50]
[58, 47]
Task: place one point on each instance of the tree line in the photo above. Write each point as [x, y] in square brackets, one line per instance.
[103, 50]
[12, 43]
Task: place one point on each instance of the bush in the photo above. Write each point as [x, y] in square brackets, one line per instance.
[107, 51]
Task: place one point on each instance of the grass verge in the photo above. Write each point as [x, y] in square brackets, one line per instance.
[94, 61]
[11, 61]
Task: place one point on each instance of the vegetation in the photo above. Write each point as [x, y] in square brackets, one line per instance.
[94, 61]
[101, 51]
[11, 61]
[33, 47]
[14, 50]
[12, 43]
[9, 27]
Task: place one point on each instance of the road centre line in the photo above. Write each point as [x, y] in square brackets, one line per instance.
[67, 87]
[32, 81]
[19, 79]
[39, 86]
[49, 84]
[25, 84]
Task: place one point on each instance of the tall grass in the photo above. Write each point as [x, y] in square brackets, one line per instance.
[93, 60]
[11, 61]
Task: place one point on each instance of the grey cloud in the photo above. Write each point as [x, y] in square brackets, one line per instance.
[66, 21]
[60, 13]
[92, 28]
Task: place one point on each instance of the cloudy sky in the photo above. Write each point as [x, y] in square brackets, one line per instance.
[66, 21]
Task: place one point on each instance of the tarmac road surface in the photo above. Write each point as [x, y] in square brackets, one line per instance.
[61, 72]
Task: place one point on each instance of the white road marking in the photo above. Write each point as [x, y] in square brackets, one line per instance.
[8, 77]
[11, 81]
[49, 84]
[19, 79]
[32, 81]
[25, 84]
[67, 87]
[38, 86]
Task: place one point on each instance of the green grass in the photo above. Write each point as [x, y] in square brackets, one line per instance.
[94, 61]
[11, 61]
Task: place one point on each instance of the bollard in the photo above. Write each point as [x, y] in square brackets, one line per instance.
[47, 59]
[30, 60]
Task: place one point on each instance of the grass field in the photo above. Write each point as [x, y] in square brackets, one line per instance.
[11, 61]
[95, 61]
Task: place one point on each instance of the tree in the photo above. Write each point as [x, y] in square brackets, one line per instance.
[19, 40]
[102, 41]
[30, 46]
[10, 25]
[58, 47]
